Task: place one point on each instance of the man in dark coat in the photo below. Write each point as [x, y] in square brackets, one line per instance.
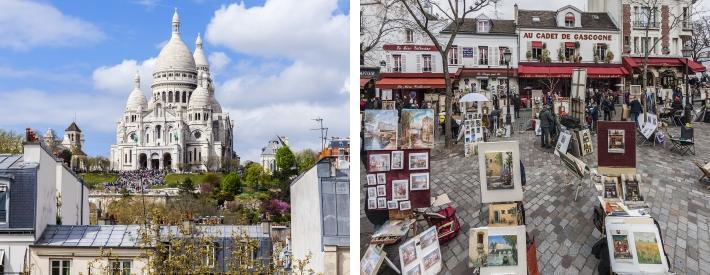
[635, 109]
[516, 105]
[545, 124]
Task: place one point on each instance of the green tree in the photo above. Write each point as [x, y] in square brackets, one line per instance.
[65, 155]
[286, 161]
[253, 174]
[187, 186]
[306, 159]
[10, 142]
[232, 184]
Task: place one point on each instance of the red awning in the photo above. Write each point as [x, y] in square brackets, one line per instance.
[411, 83]
[569, 45]
[363, 82]
[634, 62]
[527, 71]
[694, 66]
[537, 44]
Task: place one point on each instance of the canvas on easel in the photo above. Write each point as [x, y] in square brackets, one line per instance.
[499, 170]
[578, 95]
[616, 147]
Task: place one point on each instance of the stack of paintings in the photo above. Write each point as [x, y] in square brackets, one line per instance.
[421, 254]
[635, 245]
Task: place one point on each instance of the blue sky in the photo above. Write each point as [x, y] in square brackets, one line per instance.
[276, 63]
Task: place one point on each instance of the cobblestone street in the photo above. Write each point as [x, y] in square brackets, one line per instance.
[562, 227]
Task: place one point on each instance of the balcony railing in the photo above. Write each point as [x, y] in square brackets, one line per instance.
[644, 24]
[687, 25]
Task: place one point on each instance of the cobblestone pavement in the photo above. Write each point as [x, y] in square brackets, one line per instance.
[562, 227]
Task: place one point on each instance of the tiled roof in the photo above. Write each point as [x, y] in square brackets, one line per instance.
[548, 20]
[14, 162]
[73, 127]
[497, 27]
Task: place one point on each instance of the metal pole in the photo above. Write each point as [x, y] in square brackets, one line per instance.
[687, 90]
[507, 74]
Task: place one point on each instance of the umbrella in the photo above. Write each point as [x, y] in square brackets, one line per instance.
[473, 97]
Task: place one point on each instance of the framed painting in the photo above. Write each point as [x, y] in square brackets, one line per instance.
[417, 128]
[380, 129]
[499, 170]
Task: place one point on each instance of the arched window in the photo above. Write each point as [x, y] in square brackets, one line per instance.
[184, 97]
[569, 20]
[157, 132]
[170, 96]
[163, 96]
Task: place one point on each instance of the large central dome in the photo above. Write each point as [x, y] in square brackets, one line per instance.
[175, 55]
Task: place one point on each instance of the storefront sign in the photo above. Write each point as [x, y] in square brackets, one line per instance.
[468, 52]
[568, 36]
[369, 72]
[419, 48]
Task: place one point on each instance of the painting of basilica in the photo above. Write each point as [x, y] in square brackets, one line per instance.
[380, 129]
[417, 128]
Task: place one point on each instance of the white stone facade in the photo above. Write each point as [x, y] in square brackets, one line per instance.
[182, 127]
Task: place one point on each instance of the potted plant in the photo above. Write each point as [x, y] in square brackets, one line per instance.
[609, 57]
[596, 58]
[578, 58]
[528, 54]
[560, 55]
[576, 44]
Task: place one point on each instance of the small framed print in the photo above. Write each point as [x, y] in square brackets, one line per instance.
[400, 190]
[371, 179]
[397, 162]
[405, 205]
[381, 203]
[392, 205]
[372, 203]
[381, 178]
[419, 161]
[381, 190]
[419, 181]
[371, 192]
[378, 163]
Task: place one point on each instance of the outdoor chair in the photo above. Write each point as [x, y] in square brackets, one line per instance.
[685, 144]
[677, 118]
[705, 168]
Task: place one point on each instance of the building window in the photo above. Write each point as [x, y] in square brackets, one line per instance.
[410, 35]
[482, 26]
[569, 20]
[536, 50]
[210, 255]
[483, 55]
[60, 267]
[655, 45]
[163, 96]
[170, 96]
[501, 58]
[454, 55]
[121, 267]
[397, 63]
[427, 63]
[636, 45]
[184, 97]
[600, 51]
[4, 202]
[569, 52]
[130, 156]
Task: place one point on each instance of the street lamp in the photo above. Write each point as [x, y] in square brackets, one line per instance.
[506, 57]
[687, 53]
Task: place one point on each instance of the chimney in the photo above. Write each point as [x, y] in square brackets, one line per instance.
[515, 14]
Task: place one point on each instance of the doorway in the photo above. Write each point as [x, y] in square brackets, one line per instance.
[143, 161]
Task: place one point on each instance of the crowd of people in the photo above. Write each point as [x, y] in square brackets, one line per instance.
[134, 180]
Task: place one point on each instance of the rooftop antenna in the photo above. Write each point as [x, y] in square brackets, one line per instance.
[323, 132]
[495, 8]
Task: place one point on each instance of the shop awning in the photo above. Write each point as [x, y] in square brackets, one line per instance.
[637, 62]
[363, 82]
[531, 71]
[411, 83]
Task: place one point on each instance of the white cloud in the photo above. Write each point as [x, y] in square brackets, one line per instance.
[57, 108]
[118, 79]
[218, 61]
[298, 82]
[27, 24]
[284, 28]
[254, 127]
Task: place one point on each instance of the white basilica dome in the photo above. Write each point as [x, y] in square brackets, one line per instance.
[201, 96]
[136, 99]
[175, 55]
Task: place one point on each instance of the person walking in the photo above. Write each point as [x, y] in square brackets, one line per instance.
[494, 119]
[545, 123]
[606, 108]
[635, 110]
[516, 105]
[595, 116]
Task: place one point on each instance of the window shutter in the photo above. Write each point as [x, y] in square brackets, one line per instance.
[433, 62]
[475, 55]
[419, 63]
[404, 63]
[389, 63]
[494, 56]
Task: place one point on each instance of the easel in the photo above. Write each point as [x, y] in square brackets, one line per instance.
[577, 97]
[380, 249]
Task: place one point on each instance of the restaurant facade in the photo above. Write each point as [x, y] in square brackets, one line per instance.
[553, 43]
